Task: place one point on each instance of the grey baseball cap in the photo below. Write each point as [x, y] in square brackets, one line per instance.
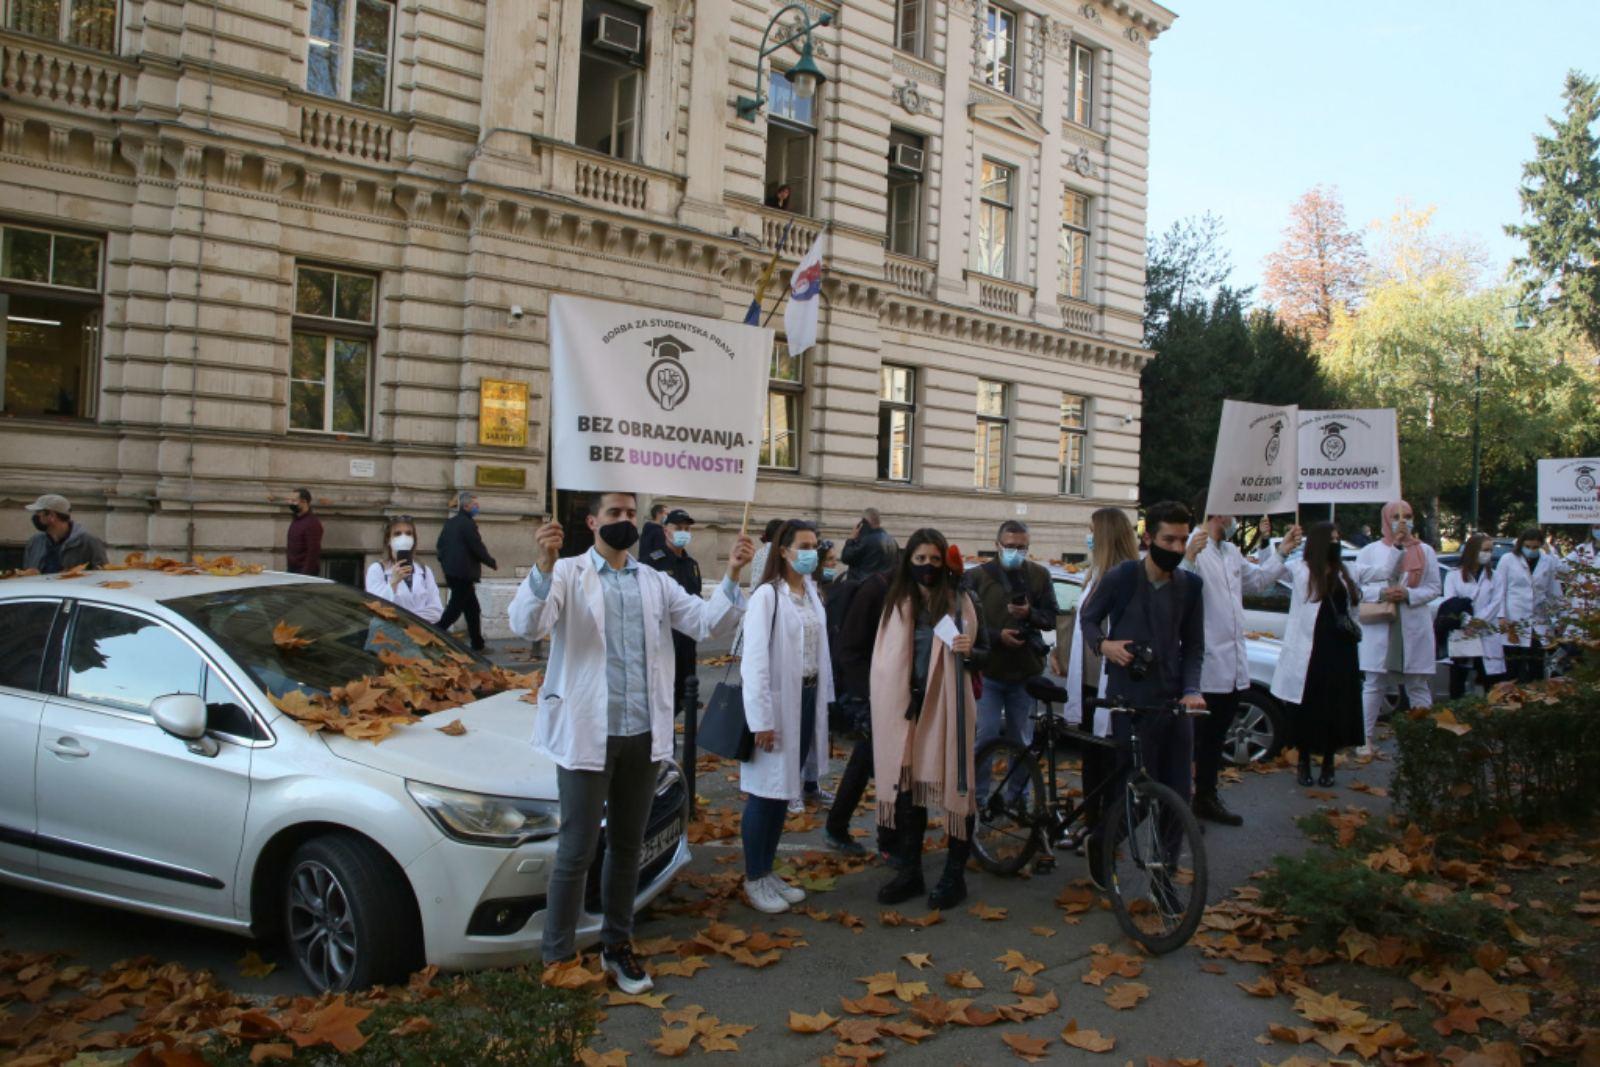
[52, 502]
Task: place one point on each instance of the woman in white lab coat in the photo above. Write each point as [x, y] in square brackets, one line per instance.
[787, 677]
[1474, 581]
[1318, 677]
[1529, 596]
[1401, 570]
[398, 578]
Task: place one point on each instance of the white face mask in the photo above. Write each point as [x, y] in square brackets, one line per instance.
[402, 543]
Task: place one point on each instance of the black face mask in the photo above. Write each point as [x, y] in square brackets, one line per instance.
[39, 523]
[619, 535]
[294, 509]
[1165, 558]
[926, 573]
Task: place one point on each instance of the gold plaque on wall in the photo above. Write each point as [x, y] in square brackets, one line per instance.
[502, 478]
[502, 413]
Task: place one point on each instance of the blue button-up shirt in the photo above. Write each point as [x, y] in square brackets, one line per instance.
[627, 681]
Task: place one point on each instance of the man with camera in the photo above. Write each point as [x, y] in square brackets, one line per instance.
[1016, 606]
[1147, 619]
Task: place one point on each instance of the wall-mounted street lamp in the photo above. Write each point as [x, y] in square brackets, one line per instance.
[805, 75]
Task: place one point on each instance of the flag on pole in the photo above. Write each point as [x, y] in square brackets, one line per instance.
[752, 317]
[800, 317]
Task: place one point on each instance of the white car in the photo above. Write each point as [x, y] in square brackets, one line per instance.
[143, 766]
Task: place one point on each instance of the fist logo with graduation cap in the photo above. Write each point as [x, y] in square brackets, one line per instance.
[667, 379]
[1585, 480]
[1333, 442]
[1275, 441]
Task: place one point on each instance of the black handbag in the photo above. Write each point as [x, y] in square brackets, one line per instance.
[724, 730]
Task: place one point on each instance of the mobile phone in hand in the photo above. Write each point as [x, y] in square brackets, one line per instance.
[1020, 599]
[406, 556]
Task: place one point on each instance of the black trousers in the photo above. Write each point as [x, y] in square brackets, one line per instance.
[1462, 670]
[1525, 664]
[848, 793]
[464, 603]
[1210, 731]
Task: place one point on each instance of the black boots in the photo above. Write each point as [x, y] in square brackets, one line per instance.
[1327, 771]
[1209, 806]
[952, 887]
[911, 823]
[1304, 777]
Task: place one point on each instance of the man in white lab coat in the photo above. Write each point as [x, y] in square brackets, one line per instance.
[1229, 578]
[605, 713]
[1527, 582]
[1402, 570]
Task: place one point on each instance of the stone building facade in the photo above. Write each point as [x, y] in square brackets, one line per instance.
[251, 245]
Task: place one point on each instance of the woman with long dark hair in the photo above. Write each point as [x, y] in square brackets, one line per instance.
[787, 676]
[924, 717]
[1474, 582]
[1319, 673]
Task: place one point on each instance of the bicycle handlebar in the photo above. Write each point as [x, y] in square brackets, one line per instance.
[1124, 707]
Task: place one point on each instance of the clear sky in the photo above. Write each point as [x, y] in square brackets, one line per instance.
[1255, 101]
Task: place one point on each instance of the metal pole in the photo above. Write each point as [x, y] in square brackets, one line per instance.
[691, 729]
[1477, 444]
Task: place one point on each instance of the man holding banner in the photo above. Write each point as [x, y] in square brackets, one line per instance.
[634, 393]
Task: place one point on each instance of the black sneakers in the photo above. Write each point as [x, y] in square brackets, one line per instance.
[625, 969]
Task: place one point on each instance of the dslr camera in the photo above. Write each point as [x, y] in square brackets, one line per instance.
[1032, 637]
[1144, 657]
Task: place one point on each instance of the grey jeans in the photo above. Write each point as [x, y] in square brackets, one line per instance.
[622, 794]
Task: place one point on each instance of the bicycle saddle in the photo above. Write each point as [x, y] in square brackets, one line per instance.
[1043, 689]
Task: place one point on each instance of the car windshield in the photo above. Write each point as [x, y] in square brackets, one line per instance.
[347, 634]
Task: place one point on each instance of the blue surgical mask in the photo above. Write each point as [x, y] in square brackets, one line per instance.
[1229, 530]
[681, 538]
[1088, 542]
[1531, 555]
[805, 560]
[473, 510]
[830, 573]
[1594, 533]
[1011, 558]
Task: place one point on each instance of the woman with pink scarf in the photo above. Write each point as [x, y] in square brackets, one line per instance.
[1402, 572]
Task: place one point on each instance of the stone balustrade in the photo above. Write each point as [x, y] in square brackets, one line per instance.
[36, 70]
[914, 277]
[340, 130]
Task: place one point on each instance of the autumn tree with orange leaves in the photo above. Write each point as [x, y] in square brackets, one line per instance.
[1319, 267]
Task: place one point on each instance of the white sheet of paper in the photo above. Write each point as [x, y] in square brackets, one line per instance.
[946, 630]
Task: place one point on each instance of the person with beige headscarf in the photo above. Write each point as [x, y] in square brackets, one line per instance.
[924, 716]
[1399, 578]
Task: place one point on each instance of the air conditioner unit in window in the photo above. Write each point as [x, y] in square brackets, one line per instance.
[907, 157]
[619, 35]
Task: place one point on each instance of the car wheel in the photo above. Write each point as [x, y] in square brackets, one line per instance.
[349, 920]
[1257, 730]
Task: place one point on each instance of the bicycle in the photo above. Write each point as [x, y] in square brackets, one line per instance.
[1150, 854]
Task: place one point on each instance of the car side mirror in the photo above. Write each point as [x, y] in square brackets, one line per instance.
[183, 715]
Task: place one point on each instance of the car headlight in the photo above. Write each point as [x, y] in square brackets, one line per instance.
[479, 819]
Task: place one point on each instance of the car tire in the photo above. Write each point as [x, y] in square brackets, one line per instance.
[1258, 730]
[349, 919]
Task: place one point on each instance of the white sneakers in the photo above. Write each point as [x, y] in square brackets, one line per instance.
[764, 897]
[1365, 752]
[791, 894]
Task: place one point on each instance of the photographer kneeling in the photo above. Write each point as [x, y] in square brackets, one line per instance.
[1148, 620]
[1016, 604]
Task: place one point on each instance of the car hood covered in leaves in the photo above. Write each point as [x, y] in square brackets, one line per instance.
[495, 755]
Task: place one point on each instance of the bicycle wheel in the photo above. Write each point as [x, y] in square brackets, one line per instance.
[1010, 795]
[1155, 866]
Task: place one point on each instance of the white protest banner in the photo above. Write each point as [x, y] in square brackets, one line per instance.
[1255, 471]
[1349, 457]
[649, 400]
[1569, 490]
